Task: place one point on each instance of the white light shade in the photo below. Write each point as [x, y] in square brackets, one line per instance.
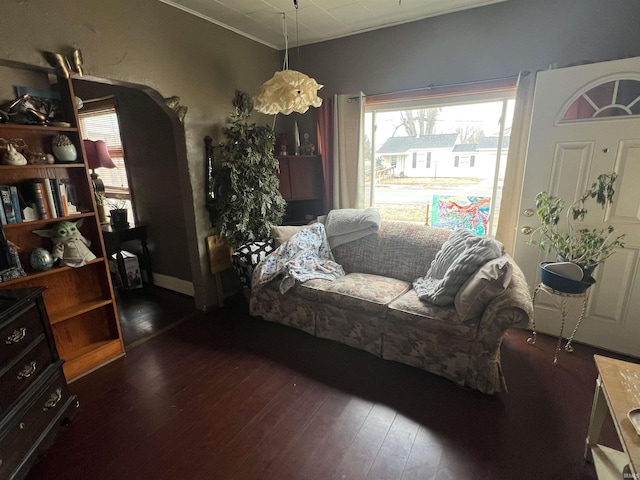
[287, 91]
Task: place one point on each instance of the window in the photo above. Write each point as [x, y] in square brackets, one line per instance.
[414, 164]
[453, 128]
[99, 121]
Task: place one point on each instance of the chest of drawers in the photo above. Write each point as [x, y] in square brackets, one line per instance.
[34, 398]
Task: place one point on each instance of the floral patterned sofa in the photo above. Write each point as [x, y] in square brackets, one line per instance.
[374, 308]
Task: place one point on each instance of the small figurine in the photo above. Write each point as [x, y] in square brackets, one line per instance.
[68, 243]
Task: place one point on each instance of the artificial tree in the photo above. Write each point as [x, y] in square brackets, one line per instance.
[247, 199]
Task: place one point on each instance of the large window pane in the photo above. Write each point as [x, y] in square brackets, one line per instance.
[442, 165]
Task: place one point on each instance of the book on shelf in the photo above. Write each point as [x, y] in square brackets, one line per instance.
[68, 190]
[7, 204]
[46, 198]
[3, 216]
[49, 196]
[15, 201]
[57, 197]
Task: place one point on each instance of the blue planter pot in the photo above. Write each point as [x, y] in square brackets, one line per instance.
[563, 284]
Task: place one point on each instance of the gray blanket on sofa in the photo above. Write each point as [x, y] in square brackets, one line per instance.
[460, 256]
[349, 224]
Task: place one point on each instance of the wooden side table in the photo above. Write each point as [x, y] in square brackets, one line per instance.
[617, 392]
[113, 240]
[560, 300]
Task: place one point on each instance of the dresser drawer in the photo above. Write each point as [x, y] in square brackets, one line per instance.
[34, 418]
[23, 371]
[19, 332]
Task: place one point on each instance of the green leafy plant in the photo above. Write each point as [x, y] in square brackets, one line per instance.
[572, 242]
[247, 197]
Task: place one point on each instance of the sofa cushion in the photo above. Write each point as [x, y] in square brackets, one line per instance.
[362, 292]
[488, 282]
[460, 256]
[410, 310]
[281, 234]
[401, 250]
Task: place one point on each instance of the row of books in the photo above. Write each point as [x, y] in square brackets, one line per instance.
[37, 199]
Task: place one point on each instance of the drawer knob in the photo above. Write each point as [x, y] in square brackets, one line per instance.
[27, 371]
[16, 336]
[53, 400]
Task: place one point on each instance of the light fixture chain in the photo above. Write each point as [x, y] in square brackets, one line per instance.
[295, 4]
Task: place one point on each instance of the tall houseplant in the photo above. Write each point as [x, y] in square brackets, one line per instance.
[247, 199]
[569, 239]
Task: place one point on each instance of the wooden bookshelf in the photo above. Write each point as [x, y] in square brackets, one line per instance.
[79, 301]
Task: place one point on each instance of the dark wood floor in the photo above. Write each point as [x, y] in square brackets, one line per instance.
[224, 396]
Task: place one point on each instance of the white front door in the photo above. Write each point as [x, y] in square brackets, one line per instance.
[586, 121]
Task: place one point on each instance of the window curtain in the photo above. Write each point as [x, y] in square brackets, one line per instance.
[514, 175]
[324, 122]
[348, 151]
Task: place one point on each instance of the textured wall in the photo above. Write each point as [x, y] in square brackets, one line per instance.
[149, 43]
[489, 42]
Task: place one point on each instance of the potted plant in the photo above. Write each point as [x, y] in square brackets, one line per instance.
[118, 212]
[570, 239]
[247, 196]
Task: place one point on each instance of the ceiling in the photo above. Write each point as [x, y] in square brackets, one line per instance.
[318, 20]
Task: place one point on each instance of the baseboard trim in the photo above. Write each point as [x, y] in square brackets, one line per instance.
[174, 284]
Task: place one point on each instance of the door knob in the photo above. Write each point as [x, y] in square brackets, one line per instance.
[528, 212]
[526, 230]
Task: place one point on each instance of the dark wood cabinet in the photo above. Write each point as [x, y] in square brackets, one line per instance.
[302, 186]
[34, 398]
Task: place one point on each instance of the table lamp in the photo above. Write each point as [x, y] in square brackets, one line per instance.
[98, 157]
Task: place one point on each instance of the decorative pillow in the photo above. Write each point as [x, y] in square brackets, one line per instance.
[284, 233]
[247, 257]
[487, 283]
[459, 257]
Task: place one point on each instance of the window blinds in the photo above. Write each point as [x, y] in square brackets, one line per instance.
[99, 121]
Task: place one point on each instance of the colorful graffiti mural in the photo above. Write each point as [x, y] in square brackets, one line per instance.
[461, 211]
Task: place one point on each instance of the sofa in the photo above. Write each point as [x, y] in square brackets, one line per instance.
[374, 307]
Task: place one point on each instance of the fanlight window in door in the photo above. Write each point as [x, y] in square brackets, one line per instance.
[616, 98]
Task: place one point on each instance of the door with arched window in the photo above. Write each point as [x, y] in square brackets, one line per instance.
[586, 121]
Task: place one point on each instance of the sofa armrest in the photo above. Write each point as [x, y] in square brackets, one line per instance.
[513, 307]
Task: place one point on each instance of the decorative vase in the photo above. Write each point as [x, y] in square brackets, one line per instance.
[63, 149]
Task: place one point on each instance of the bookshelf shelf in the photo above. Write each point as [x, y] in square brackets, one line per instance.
[38, 128]
[80, 301]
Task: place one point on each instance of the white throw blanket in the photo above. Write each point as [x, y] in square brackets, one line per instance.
[349, 224]
[304, 256]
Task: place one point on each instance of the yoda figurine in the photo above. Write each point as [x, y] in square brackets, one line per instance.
[69, 246]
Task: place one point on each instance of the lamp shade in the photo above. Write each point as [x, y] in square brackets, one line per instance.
[288, 91]
[98, 154]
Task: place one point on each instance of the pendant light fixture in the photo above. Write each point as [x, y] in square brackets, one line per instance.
[288, 90]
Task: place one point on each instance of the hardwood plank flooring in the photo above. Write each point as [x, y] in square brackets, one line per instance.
[221, 395]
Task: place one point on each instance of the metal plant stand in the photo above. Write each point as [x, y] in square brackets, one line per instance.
[560, 300]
